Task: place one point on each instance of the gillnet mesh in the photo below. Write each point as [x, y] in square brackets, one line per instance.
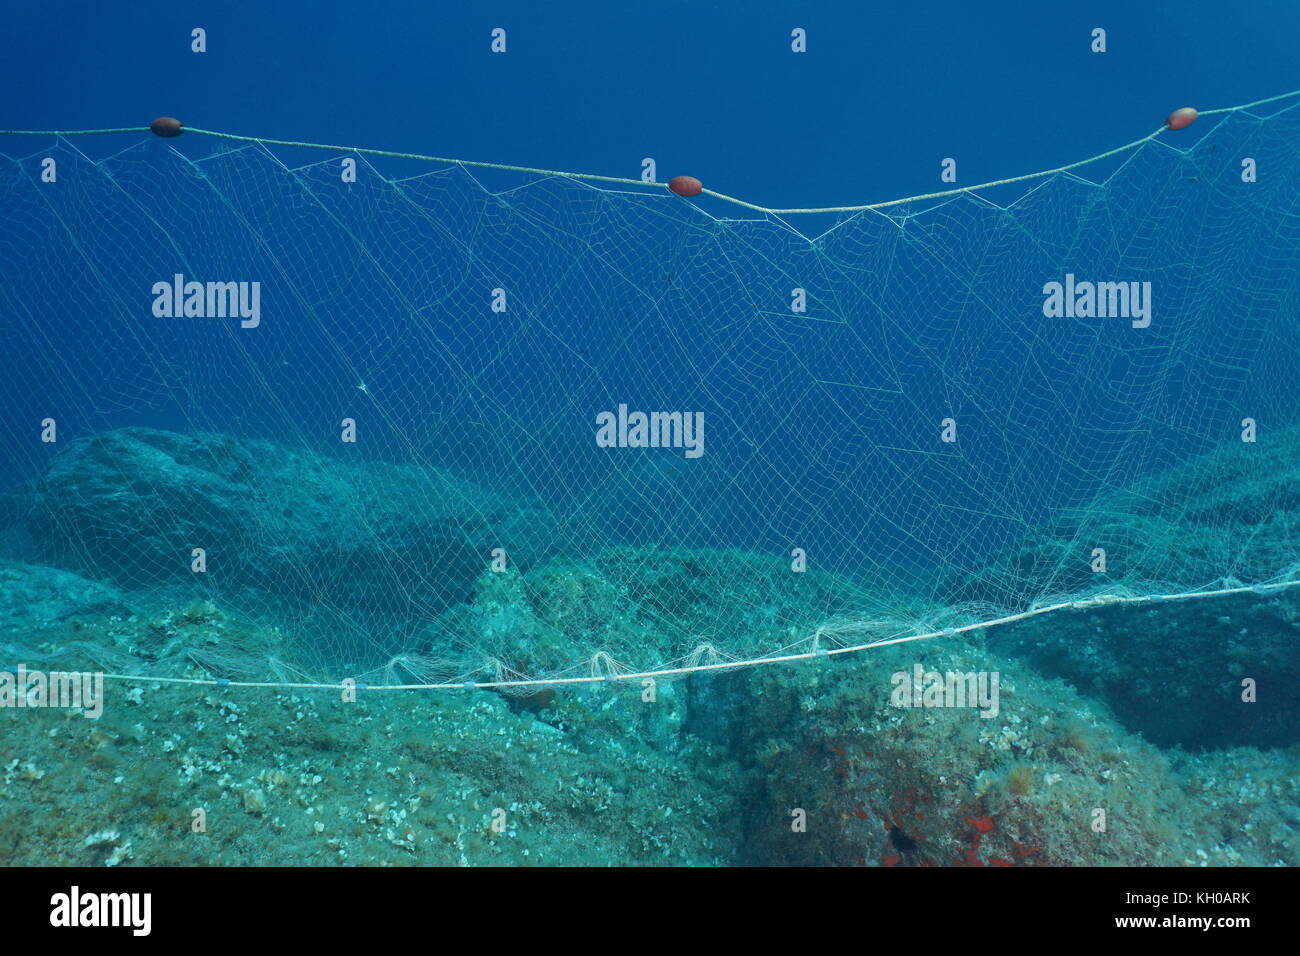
[470, 339]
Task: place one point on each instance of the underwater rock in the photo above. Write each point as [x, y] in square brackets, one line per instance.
[130, 505]
[630, 610]
[1235, 511]
[1173, 670]
[305, 779]
[1048, 779]
[32, 596]
[646, 606]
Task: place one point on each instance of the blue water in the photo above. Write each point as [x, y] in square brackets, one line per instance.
[884, 93]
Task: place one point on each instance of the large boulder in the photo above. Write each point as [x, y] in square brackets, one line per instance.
[128, 506]
[32, 597]
[1221, 520]
[1230, 516]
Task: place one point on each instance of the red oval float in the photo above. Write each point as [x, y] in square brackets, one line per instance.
[685, 185]
[1181, 119]
[167, 126]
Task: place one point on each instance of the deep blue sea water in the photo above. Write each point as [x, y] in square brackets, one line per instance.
[710, 89]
